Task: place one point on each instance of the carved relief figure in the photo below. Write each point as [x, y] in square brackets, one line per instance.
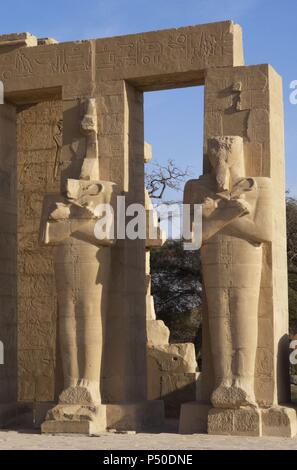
[81, 271]
[58, 139]
[236, 221]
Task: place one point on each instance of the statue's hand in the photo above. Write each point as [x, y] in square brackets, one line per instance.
[208, 207]
[241, 204]
[60, 211]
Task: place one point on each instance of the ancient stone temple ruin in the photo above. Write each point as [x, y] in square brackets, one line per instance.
[76, 315]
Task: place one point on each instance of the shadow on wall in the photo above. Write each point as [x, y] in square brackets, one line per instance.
[174, 399]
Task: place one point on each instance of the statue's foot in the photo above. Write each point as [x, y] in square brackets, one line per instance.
[246, 385]
[81, 394]
[231, 397]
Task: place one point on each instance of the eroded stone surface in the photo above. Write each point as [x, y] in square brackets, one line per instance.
[279, 421]
[244, 421]
[157, 333]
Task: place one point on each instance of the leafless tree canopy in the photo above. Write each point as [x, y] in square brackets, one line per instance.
[166, 176]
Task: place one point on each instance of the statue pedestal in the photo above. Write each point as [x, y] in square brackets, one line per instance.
[91, 419]
[246, 421]
[76, 419]
[279, 421]
[235, 422]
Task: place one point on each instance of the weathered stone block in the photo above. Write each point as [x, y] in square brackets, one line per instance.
[237, 422]
[75, 419]
[279, 421]
[157, 333]
[194, 418]
[179, 357]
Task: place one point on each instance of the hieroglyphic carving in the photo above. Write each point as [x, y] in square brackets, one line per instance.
[191, 46]
[198, 46]
[18, 64]
[129, 54]
[194, 46]
[47, 59]
[149, 52]
[23, 64]
[71, 61]
[36, 295]
[58, 138]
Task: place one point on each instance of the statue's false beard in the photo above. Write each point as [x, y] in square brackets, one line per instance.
[222, 175]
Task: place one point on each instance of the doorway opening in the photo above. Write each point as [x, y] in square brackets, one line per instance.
[173, 126]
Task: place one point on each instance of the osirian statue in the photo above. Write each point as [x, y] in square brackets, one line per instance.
[81, 264]
[235, 224]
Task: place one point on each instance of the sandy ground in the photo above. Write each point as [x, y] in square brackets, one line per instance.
[17, 440]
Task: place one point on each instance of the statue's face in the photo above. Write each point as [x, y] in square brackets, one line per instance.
[217, 155]
[223, 152]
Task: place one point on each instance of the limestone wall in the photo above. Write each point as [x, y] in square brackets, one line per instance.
[36, 295]
[8, 234]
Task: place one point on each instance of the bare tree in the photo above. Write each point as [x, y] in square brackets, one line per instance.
[175, 273]
[163, 177]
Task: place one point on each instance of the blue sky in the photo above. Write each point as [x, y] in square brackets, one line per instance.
[173, 119]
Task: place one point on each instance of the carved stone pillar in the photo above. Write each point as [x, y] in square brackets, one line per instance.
[245, 323]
